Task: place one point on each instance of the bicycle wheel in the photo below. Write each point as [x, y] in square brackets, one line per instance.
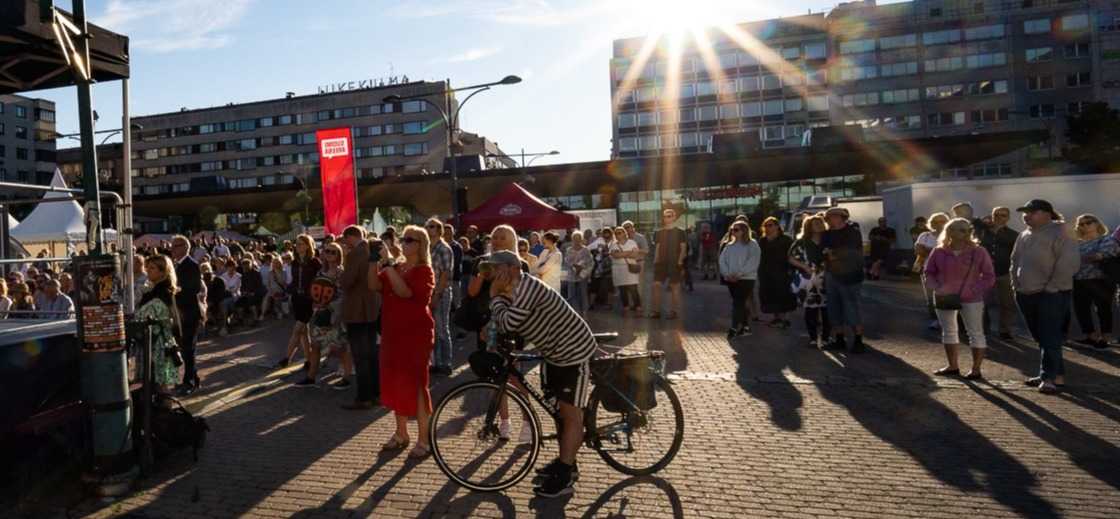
[465, 437]
[637, 442]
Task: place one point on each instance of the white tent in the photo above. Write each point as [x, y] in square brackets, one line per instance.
[55, 221]
[12, 222]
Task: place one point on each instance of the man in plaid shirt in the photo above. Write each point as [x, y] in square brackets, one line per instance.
[442, 263]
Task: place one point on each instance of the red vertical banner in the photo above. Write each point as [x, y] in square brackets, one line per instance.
[336, 168]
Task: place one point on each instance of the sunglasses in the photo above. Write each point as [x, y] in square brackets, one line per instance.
[769, 225]
[1083, 223]
[434, 227]
[409, 239]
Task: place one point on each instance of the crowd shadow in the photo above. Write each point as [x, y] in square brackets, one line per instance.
[597, 508]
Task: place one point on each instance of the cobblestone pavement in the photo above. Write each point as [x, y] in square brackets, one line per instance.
[774, 429]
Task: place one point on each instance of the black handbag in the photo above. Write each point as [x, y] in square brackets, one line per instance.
[473, 313]
[953, 301]
[322, 318]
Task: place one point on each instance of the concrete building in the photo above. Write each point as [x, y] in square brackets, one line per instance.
[923, 68]
[272, 142]
[110, 172]
[27, 139]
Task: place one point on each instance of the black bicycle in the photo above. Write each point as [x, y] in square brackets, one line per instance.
[633, 418]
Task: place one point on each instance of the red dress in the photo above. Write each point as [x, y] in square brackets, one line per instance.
[408, 334]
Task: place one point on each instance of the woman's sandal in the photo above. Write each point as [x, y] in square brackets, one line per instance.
[974, 375]
[395, 443]
[947, 371]
[419, 452]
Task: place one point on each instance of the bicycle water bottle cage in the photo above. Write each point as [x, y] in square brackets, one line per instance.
[487, 365]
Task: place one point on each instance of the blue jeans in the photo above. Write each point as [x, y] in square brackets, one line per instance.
[577, 296]
[441, 355]
[842, 301]
[1045, 314]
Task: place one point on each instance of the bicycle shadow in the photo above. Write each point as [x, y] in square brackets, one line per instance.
[596, 508]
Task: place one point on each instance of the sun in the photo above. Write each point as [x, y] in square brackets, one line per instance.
[675, 18]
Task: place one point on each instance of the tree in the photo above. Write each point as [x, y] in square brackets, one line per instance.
[1093, 138]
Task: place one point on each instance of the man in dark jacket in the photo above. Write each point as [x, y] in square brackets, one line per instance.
[360, 309]
[999, 241]
[190, 313]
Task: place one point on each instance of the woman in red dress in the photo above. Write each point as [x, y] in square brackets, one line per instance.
[407, 336]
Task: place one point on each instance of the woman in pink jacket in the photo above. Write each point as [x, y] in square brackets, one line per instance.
[959, 273]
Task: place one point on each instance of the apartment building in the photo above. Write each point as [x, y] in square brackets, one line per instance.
[27, 139]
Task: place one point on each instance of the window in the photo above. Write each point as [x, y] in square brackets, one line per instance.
[944, 64]
[44, 115]
[898, 42]
[791, 52]
[794, 104]
[1040, 82]
[687, 91]
[898, 69]
[988, 87]
[625, 120]
[1079, 79]
[944, 119]
[3, 153]
[864, 123]
[628, 144]
[21, 112]
[21, 132]
[413, 128]
[1040, 54]
[816, 50]
[995, 59]
[771, 82]
[865, 99]
[247, 144]
[941, 37]
[989, 116]
[857, 46]
[669, 140]
[775, 107]
[212, 165]
[1072, 108]
[1039, 26]
[1075, 22]
[249, 163]
[21, 153]
[687, 115]
[1, 128]
[344, 113]
[284, 120]
[728, 111]
[647, 118]
[904, 95]
[984, 32]
[708, 113]
[857, 73]
[817, 103]
[728, 87]
[1043, 111]
[668, 117]
[816, 77]
[705, 88]
[728, 60]
[646, 94]
[1077, 50]
[415, 148]
[264, 122]
[241, 183]
[751, 109]
[687, 140]
[748, 84]
[747, 60]
[647, 142]
[415, 106]
[373, 131]
[206, 128]
[307, 138]
[772, 133]
[286, 139]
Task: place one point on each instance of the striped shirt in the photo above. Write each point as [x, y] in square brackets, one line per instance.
[544, 319]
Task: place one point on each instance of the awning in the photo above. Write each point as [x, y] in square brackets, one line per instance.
[518, 208]
[31, 58]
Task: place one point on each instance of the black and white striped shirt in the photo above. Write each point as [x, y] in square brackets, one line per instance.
[540, 315]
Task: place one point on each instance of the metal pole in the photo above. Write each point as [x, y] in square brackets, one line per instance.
[85, 123]
[124, 225]
[522, 158]
[452, 121]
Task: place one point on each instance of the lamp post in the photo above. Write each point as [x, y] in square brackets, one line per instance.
[534, 155]
[451, 122]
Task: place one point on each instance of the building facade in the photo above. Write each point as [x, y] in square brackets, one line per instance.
[915, 69]
[272, 142]
[110, 170]
[27, 139]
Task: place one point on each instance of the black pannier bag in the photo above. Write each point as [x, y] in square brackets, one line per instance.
[621, 378]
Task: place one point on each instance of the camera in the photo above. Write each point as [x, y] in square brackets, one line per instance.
[374, 250]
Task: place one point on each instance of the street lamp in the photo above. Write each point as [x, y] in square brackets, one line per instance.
[534, 155]
[451, 122]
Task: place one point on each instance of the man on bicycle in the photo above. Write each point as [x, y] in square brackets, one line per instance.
[525, 306]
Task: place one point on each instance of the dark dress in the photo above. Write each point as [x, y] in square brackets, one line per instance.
[774, 276]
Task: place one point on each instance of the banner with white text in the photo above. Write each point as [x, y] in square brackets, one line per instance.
[336, 168]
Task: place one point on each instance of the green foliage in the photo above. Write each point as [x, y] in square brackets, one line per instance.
[1094, 138]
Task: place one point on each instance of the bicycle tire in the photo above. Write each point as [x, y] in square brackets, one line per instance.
[443, 450]
[675, 444]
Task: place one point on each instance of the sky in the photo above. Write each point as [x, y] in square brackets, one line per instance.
[202, 53]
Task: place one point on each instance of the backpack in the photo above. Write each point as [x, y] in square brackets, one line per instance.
[173, 427]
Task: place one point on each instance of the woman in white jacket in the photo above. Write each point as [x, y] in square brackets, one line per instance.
[738, 265]
[550, 262]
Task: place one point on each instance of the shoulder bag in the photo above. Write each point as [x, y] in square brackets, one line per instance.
[953, 301]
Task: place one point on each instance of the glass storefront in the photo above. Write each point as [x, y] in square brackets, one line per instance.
[720, 204]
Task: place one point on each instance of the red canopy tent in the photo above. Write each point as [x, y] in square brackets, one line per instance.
[520, 209]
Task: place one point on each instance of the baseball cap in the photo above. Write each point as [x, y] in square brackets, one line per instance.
[503, 257]
[837, 210]
[1036, 204]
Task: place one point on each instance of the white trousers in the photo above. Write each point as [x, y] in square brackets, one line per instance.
[973, 316]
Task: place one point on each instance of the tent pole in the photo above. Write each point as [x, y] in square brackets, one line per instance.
[124, 224]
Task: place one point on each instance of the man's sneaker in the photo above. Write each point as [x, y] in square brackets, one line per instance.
[526, 434]
[732, 333]
[306, 382]
[837, 343]
[553, 469]
[503, 430]
[341, 384]
[560, 484]
[743, 331]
